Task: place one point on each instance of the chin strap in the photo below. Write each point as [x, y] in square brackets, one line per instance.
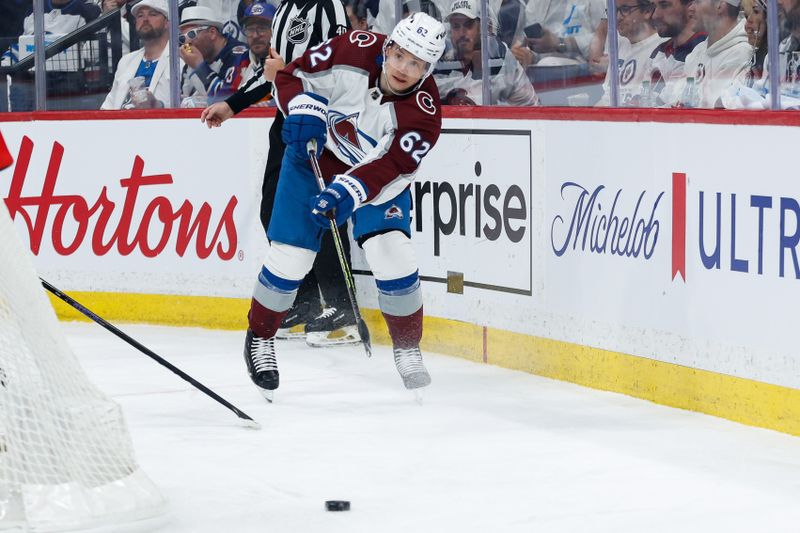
[389, 85]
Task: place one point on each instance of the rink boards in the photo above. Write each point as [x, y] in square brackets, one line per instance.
[639, 254]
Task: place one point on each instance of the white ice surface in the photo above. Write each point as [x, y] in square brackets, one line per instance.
[491, 450]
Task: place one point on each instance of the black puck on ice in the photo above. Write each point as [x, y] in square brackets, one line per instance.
[337, 505]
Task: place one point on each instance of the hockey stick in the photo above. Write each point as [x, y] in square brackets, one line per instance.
[363, 331]
[148, 352]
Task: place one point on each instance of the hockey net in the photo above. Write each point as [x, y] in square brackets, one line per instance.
[66, 458]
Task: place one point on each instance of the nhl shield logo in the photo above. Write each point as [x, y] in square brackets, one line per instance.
[298, 30]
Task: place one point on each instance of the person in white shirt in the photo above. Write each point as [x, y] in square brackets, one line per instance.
[151, 62]
[458, 73]
[720, 61]
[568, 27]
[637, 40]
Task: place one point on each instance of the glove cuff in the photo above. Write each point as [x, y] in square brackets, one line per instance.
[309, 104]
[354, 187]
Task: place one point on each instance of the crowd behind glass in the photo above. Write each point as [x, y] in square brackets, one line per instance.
[115, 54]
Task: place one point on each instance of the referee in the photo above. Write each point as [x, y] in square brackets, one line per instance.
[296, 26]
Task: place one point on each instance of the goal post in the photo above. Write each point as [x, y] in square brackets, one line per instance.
[66, 457]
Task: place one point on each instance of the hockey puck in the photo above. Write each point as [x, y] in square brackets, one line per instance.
[337, 505]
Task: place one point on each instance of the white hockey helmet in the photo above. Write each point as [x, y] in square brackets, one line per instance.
[421, 35]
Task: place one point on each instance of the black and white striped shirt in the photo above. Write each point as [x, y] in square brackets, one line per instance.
[300, 24]
[297, 26]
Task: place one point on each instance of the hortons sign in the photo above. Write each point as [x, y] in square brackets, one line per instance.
[76, 218]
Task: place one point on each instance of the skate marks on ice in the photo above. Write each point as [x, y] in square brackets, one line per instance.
[491, 450]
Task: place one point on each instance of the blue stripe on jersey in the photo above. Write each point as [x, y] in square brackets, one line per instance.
[397, 287]
[277, 283]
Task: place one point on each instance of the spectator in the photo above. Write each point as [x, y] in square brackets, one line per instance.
[722, 59]
[754, 93]
[257, 26]
[598, 57]
[790, 46]
[756, 28]
[228, 12]
[151, 62]
[212, 59]
[637, 40]
[357, 13]
[667, 63]
[458, 73]
[568, 28]
[61, 17]
[385, 18]
[125, 21]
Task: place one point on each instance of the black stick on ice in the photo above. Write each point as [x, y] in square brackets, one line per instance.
[148, 352]
[363, 331]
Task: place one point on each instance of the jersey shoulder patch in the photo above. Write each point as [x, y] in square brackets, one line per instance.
[239, 50]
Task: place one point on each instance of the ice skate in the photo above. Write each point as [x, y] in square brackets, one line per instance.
[262, 364]
[412, 370]
[294, 323]
[333, 327]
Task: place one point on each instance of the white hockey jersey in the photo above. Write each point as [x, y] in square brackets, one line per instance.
[634, 59]
[379, 138]
[717, 67]
[667, 64]
[509, 83]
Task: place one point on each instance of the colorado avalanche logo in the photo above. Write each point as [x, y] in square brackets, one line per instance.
[363, 39]
[352, 143]
[393, 212]
[425, 102]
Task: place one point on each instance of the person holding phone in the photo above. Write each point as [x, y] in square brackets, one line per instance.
[458, 74]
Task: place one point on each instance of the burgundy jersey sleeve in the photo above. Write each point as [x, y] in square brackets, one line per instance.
[357, 49]
[403, 129]
[390, 167]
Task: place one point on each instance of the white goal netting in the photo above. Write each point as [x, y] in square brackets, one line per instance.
[66, 459]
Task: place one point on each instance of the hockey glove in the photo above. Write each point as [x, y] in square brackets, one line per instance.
[307, 119]
[343, 196]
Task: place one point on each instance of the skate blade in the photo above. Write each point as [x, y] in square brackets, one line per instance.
[293, 333]
[419, 396]
[268, 395]
[339, 337]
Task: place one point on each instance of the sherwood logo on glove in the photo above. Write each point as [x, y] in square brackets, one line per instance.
[115, 227]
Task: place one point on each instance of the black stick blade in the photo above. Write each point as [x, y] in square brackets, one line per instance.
[363, 331]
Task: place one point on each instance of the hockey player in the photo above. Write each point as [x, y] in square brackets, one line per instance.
[369, 104]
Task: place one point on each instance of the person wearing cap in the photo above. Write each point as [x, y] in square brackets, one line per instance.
[212, 59]
[257, 27]
[458, 74]
[723, 59]
[150, 62]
